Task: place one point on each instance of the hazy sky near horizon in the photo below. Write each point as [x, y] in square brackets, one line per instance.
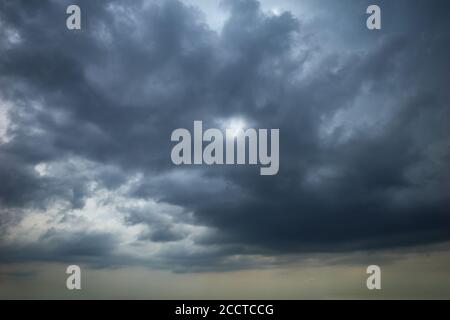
[405, 275]
[86, 118]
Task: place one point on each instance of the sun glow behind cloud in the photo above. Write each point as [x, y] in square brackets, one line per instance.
[236, 125]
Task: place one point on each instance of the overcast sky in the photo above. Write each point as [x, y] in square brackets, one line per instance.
[86, 117]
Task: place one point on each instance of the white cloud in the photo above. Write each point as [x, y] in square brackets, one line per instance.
[4, 121]
[105, 211]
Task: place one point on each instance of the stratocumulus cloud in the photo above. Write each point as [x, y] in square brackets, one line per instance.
[86, 119]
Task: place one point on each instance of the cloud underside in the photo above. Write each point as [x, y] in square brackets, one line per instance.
[86, 118]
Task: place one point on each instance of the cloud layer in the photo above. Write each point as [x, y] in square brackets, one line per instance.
[86, 118]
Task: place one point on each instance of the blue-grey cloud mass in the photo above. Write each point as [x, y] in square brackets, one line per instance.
[86, 117]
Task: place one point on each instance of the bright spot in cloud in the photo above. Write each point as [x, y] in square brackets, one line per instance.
[275, 11]
[13, 36]
[4, 122]
[41, 169]
[236, 125]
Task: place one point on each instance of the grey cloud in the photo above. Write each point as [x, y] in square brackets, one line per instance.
[113, 92]
[163, 234]
[66, 247]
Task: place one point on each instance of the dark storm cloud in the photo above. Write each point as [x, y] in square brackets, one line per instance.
[163, 234]
[56, 246]
[364, 131]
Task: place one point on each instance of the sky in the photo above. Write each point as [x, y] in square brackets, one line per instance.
[86, 176]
